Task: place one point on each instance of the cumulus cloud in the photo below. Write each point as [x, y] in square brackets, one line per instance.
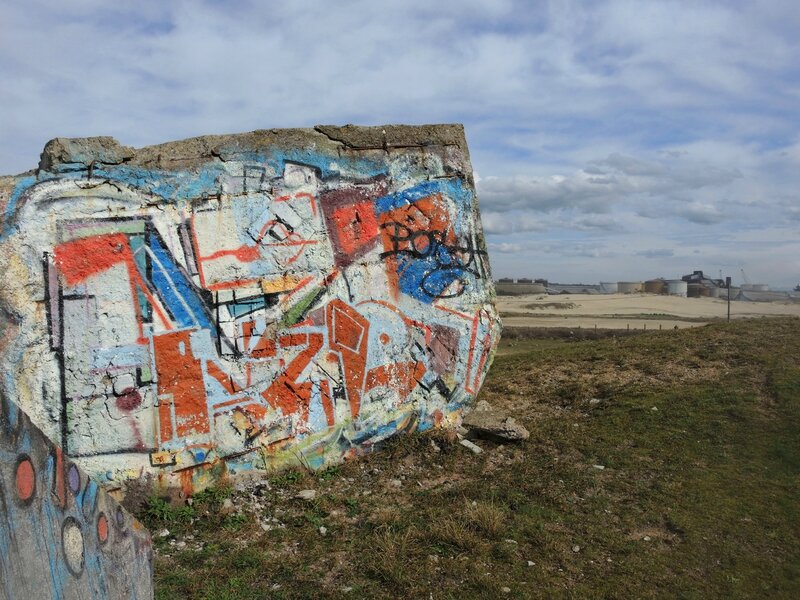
[545, 194]
[505, 222]
[703, 213]
[608, 194]
[603, 184]
[602, 223]
[581, 250]
[793, 212]
[655, 253]
[506, 247]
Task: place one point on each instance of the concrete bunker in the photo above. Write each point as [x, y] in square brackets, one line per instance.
[228, 304]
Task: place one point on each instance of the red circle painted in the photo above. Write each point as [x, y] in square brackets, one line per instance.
[102, 528]
[26, 480]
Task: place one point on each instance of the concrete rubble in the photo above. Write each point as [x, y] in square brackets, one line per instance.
[488, 423]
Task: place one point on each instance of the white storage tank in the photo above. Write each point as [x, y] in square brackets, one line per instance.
[755, 287]
[677, 287]
[609, 287]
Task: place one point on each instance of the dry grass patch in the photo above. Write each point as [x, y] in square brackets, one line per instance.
[485, 518]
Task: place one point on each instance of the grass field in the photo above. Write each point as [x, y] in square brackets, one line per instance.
[663, 464]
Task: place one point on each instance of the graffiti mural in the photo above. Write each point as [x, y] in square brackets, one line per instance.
[290, 303]
[61, 536]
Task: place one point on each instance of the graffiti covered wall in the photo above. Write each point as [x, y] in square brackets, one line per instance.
[230, 303]
[61, 536]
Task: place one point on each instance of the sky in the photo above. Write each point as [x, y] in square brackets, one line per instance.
[611, 140]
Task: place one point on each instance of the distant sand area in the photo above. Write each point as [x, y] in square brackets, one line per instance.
[634, 311]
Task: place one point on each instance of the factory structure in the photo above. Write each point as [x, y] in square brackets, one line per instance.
[693, 285]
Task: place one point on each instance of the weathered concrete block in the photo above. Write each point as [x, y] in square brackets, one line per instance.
[229, 303]
[60, 535]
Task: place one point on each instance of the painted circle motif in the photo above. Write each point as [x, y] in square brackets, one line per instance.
[72, 544]
[25, 478]
[74, 478]
[102, 528]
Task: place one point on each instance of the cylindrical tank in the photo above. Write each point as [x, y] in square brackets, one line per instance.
[519, 289]
[655, 286]
[609, 287]
[755, 287]
[694, 290]
[629, 287]
[677, 287]
[535, 288]
[714, 291]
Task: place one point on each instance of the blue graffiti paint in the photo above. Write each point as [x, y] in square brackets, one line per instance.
[89, 499]
[452, 188]
[245, 307]
[181, 186]
[423, 279]
[19, 189]
[167, 185]
[175, 290]
[327, 165]
[427, 270]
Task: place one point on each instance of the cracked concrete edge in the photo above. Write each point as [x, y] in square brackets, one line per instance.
[395, 136]
[84, 151]
[189, 152]
[81, 154]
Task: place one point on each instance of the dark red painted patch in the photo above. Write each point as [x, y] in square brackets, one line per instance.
[129, 399]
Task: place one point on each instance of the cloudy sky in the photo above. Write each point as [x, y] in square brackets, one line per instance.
[612, 140]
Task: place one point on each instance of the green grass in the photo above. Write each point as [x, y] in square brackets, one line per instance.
[698, 498]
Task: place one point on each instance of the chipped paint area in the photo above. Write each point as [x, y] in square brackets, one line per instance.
[274, 308]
